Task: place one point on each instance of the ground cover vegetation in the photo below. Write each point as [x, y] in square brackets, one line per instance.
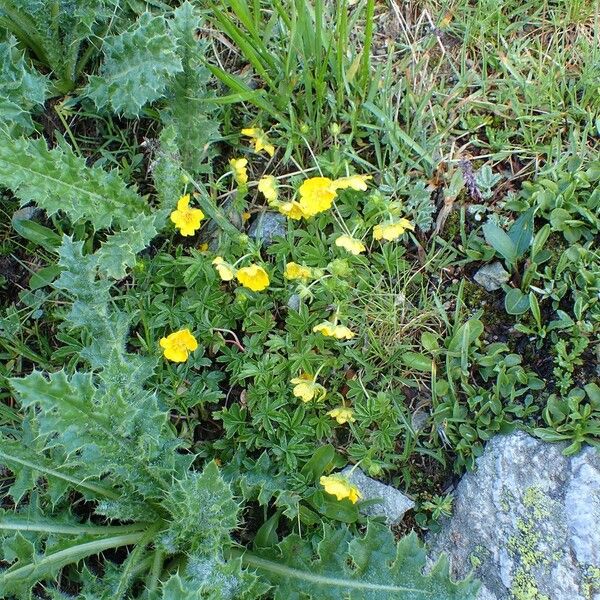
[179, 394]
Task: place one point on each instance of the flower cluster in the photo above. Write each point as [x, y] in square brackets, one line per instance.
[315, 195]
[254, 277]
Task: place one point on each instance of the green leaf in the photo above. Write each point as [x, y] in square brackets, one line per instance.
[22, 89]
[203, 512]
[188, 108]
[119, 251]
[521, 232]
[59, 181]
[418, 361]
[318, 462]
[344, 567]
[467, 334]
[500, 242]
[137, 67]
[516, 302]
[34, 232]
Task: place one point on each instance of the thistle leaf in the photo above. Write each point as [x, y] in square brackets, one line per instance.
[22, 89]
[344, 567]
[58, 180]
[137, 67]
[188, 108]
[120, 249]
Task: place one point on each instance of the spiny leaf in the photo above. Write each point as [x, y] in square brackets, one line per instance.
[120, 249]
[58, 180]
[343, 567]
[21, 88]
[187, 109]
[203, 512]
[137, 67]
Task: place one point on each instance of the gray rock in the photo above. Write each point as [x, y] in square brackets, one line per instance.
[492, 276]
[528, 522]
[392, 503]
[27, 213]
[267, 226]
[294, 302]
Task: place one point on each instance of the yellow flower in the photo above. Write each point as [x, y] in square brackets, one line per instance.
[342, 415]
[316, 195]
[186, 219]
[351, 244]
[392, 231]
[261, 141]
[340, 487]
[177, 346]
[253, 277]
[240, 173]
[225, 270]
[329, 329]
[203, 247]
[292, 210]
[306, 388]
[356, 182]
[296, 271]
[267, 187]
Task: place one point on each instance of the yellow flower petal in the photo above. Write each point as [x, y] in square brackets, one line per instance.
[339, 332]
[267, 186]
[261, 141]
[316, 195]
[292, 210]
[392, 231]
[342, 415]
[225, 270]
[178, 345]
[186, 219]
[306, 388]
[296, 271]
[351, 244]
[340, 487]
[355, 182]
[253, 277]
[238, 166]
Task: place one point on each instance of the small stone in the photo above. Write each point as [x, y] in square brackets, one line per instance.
[27, 213]
[294, 302]
[527, 522]
[392, 503]
[491, 277]
[267, 226]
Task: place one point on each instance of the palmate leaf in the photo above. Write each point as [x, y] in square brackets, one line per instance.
[137, 67]
[344, 567]
[58, 180]
[21, 88]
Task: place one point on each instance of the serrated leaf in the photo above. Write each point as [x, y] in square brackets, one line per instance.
[137, 66]
[22, 89]
[119, 251]
[203, 512]
[344, 567]
[59, 181]
[186, 109]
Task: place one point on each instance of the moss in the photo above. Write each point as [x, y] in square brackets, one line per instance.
[527, 546]
[478, 556]
[591, 582]
[452, 226]
[524, 587]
